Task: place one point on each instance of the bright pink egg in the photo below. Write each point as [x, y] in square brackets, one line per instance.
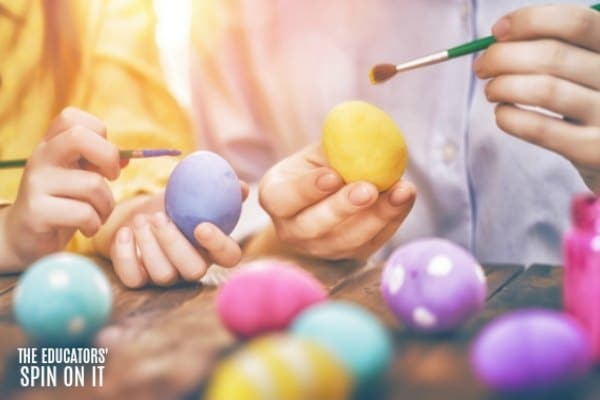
[265, 296]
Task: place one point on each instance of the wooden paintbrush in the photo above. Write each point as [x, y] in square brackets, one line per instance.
[382, 72]
[125, 155]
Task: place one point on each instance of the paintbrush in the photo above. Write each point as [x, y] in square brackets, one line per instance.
[382, 72]
[124, 154]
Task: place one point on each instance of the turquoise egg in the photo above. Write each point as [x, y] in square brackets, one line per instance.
[354, 335]
[62, 299]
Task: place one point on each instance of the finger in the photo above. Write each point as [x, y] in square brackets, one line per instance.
[158, 266]
[85, 186]
[125, 261]
[379, 240]
[245, 190]
[68, 213]
[221, 248]
[571, 23]
[577, 143]
[284, 198]
[554, 94]
[321, 218]
[70, 146]
[397, 201]
[360, 229]
[71, 117]
[183, 256]
[550, 57]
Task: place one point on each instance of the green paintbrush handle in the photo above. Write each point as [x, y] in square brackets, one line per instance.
[471, 47]
[481, 44]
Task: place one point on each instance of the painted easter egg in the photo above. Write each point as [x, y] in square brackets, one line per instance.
[280, 367]
[61, 299]
[203, 187]
[265, 296]
[350, 332]
[533, 349]
[433, 285]
[363, 143]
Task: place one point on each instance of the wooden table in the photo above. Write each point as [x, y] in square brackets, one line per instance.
[163, 343]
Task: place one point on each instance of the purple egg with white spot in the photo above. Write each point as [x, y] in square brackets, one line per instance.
[203, 187]
[531, 350]
[433, 285]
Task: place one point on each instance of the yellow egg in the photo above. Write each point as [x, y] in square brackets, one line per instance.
[362, 143]
[280, 367]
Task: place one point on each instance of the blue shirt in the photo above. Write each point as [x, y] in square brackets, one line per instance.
[504, 199]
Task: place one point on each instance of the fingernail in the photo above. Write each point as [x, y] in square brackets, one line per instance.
[328, 182]
[204, 232]
[124, 235]
[501, 29]
[398, 197]
[160, 219]
[140, 221]
[360, 195]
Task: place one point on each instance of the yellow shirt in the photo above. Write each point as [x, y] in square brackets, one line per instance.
[113, 73]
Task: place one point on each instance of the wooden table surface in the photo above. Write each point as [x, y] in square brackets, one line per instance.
[163, 343]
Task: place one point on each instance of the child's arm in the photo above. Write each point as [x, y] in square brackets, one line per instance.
[57, 195]
[314, 213]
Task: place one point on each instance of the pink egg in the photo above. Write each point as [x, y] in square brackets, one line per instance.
[265, 296]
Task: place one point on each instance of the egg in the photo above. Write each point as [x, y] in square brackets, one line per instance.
[265, 296]
[433, 285]
[531, 349]
[280, 367]
[203, 187]
[362, 143]
[356, 337]
[62, 299]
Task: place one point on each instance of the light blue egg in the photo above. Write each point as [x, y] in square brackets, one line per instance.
[61, 299]
[350, 332]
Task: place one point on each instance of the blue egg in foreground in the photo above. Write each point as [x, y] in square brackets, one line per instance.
[62, 299]
[203, 188]
[352, 334]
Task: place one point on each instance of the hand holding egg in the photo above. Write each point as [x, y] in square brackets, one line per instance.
[203, 202]
[315, 213]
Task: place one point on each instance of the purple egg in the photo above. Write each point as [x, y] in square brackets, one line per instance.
[203, 188]
[433, 285]
[532, 349]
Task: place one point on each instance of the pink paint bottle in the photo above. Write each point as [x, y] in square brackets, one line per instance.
[581, 289]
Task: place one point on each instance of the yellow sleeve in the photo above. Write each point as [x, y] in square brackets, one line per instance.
[122, 83]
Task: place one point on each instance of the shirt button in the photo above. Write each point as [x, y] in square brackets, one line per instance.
[449, 153]
[465, 10]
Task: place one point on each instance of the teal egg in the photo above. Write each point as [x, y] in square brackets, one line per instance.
[62, 299]
[354, 335]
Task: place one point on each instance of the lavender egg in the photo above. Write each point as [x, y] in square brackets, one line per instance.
[433, 285]
[203, 188]
[531, 349]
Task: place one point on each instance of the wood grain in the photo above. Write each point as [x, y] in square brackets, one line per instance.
[163, 343]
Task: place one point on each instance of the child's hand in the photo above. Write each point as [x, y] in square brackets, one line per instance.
[316, 214]
[56, 195]
[152, 249]
[549, 57]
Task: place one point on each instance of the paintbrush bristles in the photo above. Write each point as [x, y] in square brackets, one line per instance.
[382, 72]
